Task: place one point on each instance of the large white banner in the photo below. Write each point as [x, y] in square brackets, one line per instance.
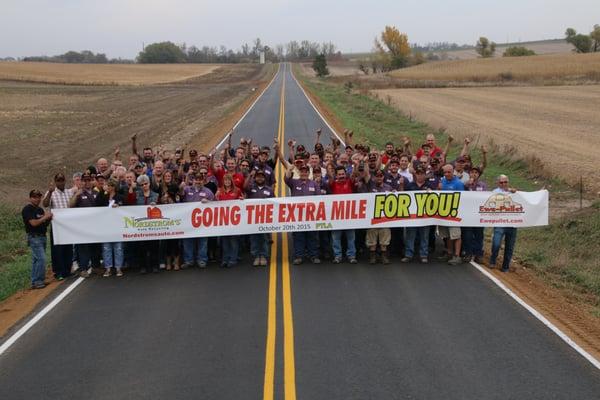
[294, 214]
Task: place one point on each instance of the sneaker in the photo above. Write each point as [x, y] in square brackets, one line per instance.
[337, 260]
[143, 271]
[263, 261]
[455, 260]
[492, 266]
[84, 274]
[202, 264]
[162, 266]
[107, 273]
[444, 257]
[424, 260]
[505, 269]
[119, 272]
[256, 262]
[352, 260]
[297, 261]
[60, 278]
[186, 265]
[39, 285]
[384, 258]
[223, 264]
[315, 260]
[176, 267]
[478, 259]
[467, 259]
[74, 266]
[405, 259]
[373, 258]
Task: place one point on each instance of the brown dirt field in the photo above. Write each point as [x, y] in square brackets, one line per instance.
[103, 74]
[336, 68]
[49, 128]
[558, 124]
[541, 67]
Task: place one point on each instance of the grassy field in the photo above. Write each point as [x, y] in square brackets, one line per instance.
[568, 263]
[102, 74]
[14, 255]
[534, 68]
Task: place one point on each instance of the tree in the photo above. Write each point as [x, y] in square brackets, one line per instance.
[582, 43]
[393, 51]
[595, 35]
[484, 48]
[320, 65]
[161, 53]
[518, 51]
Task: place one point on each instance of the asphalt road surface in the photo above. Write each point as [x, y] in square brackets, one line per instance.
[284, 332]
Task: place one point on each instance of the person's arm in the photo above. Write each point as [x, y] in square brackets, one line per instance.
[73, 200]
[41, 220]
[483, 158]
[134, 145]
[117, 154]
[407, 147]
[48, 196]
[465, 149]
[318, 139]
[249, 179]
[447, 149]
[287, 165]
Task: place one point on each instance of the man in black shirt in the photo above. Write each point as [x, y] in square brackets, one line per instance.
[36, 222]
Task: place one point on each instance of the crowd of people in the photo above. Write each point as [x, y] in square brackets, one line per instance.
[247, 171]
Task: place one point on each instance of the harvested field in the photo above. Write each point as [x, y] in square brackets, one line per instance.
[102, 74]
[336, 68]
[544, 67]
[540, 47]
[558, 124]
[45, 129]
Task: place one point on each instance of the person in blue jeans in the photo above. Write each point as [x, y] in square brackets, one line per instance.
[508, 233]
[36, 222]
[473, 235]
[419, 183]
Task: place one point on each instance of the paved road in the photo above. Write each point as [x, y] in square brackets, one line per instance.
[306, 332]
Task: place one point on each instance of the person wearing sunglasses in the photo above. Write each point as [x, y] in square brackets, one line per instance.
[508, 233]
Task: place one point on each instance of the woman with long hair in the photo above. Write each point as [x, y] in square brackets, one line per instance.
[229, 244]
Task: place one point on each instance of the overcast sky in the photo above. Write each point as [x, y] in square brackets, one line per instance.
[119, 27]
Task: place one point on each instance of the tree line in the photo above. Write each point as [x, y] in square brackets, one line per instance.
[79, 57]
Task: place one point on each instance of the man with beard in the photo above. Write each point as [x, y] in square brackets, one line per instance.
[256, 187]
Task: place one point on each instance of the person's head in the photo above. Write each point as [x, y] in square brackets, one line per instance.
[133, 160]
[167, 177]
[264, 155]
[102, 165]
[100, 181]
[217, 165]
[116, 164]
[327, 157]
[201, 176]
[194, 166]
[330, 167]
[373, 161]
[228, 181]
[60, 181]
[403, 162]
[379, 177]
[86, 180]
[119, 173]
[460, 164]
[138, 169]
[349, 150]
[193, 154]
[426, 147]
[111, 185]
[255, 150]
[435, 164]
[230, 165]
[298, 160]
[393, 166]
[424, 159]
[502, 181]
[314, 161]
[319, 148]
[202, 160]
[303, 172]
[159, 168]
[468, 161]
[389, 148]
[144, 182]
[240, 153]
[340, 173]
[475, 173]
[148, 154]
[245, 166]
[430, 140]
[343, 159]
[420, 174]
[35, 197]
[130, 178]
[77, 180]
[259, 177]
[448, 171]
[166, 156]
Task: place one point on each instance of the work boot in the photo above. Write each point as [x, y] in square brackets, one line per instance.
[373, 257]
[385, 258]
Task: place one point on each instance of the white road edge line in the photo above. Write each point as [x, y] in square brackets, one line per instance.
[11, 340]
[539, 316]
[315, 108]
[250, 108]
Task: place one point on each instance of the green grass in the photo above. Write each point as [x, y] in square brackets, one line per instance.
[15, 260]
[564, 253]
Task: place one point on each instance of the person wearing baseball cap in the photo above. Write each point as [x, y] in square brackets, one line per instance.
[36, 222]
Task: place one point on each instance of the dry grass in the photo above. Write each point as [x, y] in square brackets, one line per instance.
[543, 67]
[102, 74]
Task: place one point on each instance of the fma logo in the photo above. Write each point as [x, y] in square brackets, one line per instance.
[153, 219]
[501, 203]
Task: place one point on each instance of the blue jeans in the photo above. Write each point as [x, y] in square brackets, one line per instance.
[259, 245]
[410, 237]
[305, 243]
[229, 247]
[336, 240]
[472, 241]
[113, 254]
[199, 246]
[38, 258]
[85, 253]
[510, 237]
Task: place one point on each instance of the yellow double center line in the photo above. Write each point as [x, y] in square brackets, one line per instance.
[289, 377]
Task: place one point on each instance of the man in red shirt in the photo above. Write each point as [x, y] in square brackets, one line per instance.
[434, 151]
[342, 184]
[230, 168]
